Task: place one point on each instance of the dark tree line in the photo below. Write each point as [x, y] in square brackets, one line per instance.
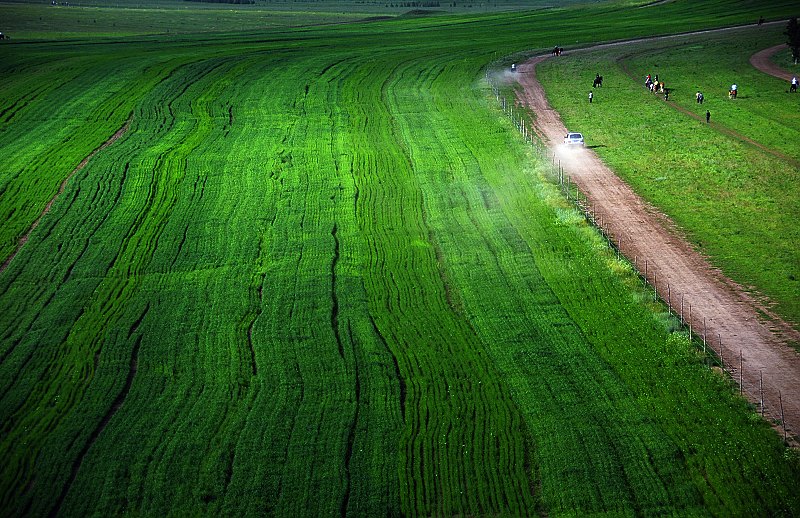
[225, 1]
[793, 32]
[416, 4]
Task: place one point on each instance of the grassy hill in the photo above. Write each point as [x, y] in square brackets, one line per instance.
[320, 274]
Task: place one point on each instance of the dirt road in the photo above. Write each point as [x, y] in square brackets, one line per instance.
[730, 316]
[760, 60]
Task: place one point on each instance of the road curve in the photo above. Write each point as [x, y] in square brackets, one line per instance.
[760, 60]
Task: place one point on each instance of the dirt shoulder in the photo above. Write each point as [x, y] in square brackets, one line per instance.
[732, 319]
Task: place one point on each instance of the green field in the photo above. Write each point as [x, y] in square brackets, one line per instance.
[320, 274]
[37, 20]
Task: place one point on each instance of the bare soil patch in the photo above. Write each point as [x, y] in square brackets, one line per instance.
[737, 323]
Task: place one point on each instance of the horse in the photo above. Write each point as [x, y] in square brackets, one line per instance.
[793, 87]
[732, 94]
[598, 81]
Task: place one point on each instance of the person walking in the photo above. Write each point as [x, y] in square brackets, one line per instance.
[591, 96]
[708, 116]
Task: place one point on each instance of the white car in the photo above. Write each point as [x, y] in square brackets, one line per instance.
[574, 139]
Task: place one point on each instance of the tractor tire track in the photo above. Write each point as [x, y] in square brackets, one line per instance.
[351, 432]
[115, 406]
[24, 239]
[723, 307]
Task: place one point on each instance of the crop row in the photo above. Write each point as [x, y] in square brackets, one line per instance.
[87, 292]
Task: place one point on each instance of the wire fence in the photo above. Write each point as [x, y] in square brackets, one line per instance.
[678, 305]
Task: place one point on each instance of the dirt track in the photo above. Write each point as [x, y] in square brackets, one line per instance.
[730, 316]
[760, 60]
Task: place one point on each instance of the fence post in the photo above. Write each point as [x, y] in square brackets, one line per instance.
[783, 422]
[655, 286]
[690, 322]
[704, 335]
[669, 299]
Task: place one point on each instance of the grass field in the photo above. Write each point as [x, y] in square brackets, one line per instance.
[27, 19]
[320, 274]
